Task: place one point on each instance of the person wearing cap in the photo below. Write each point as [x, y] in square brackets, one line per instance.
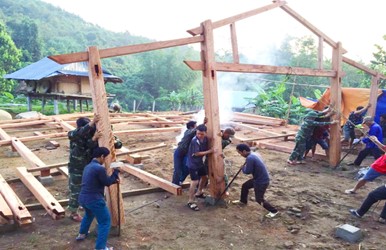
[371, 148]
[355, 118]
[83, 140]
[92, 198]
[305, 132]
[376, 169]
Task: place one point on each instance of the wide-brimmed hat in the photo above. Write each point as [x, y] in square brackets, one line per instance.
[368, 119]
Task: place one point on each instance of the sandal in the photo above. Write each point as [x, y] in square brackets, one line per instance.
[291, 162]
[193, 206]
[202, 196]
[76, 217]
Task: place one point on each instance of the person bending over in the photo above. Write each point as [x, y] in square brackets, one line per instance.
[259, 182]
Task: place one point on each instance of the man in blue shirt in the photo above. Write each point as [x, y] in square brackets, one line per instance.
[92, 199]
[259, 182]
[371, 148]
[198, 148]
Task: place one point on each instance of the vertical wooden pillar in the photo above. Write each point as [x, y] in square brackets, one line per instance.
[216, 164]
[99, 98]
[56, 107]
[68, 106]
[43, 103]
[29, 103]
[80, 105]
[373, 95]
[235, 48]
[320, 53]
[336, 100]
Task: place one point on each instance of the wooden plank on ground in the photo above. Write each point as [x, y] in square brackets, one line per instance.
[51, 205]
[5, 210]
[152, 179]
[20, 212]
[27, 154]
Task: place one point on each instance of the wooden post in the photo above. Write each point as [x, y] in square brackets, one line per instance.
[336, 99]
[320, 53]
[153, 108]
[373, 95]
[100, 107]
[29, 103]
[134, 103]
[68, 106]
[235, 49]
[216, 164]
[43, 104]
[56, 107]
[80, 105]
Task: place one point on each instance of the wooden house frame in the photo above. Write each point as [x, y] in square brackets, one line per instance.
[209, 67]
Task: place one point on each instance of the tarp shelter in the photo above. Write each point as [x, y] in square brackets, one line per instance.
[351, 99]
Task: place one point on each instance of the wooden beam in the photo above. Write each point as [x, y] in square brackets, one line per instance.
[235, 48]
[148, 131]
[152, 179]
[24, 124]
[311, 27]
[51, 205]
[373, 95]
[210, 92]
[20, 212]
[268, 69]
[4, 135]
[128, 193]
[67, 127]
[267, 138]
[35, 138]
[233, 19]
[284, 149]
[5, 210]
[125, 50]
[362, 67]
[161, 145]
[320, 53]
[27, 154]
[99, 100]
[336, 99]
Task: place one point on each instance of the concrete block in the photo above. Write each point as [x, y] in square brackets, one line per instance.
[348, 233]
[46, 180]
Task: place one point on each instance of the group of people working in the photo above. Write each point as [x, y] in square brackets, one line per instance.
[190, 158]
[315, 125]
[88, 178]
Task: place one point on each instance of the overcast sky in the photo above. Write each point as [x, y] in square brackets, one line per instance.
[357, 24]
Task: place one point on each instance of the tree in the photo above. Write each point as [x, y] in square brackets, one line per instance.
[25, 34]
[9, 59]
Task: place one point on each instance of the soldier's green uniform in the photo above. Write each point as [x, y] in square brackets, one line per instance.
[304, 133]
[81, 147]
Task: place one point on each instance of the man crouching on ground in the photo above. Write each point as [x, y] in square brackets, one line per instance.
[260, 181]
[91, 197]
[198, 148]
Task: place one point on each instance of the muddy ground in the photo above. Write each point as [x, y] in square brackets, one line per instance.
[310, 199]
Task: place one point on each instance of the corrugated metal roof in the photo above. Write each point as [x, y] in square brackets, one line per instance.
[46, 67]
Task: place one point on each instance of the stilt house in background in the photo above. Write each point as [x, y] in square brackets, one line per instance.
[46, 79]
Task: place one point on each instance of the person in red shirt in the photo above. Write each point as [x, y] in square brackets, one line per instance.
[377, 169]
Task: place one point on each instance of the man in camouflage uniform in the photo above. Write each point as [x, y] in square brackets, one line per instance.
[305, 132]
[83, 140]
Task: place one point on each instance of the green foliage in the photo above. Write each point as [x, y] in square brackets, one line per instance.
[379, 64]
[273, 104]
[9, 59]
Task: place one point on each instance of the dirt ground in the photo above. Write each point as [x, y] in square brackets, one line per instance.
[310, 199]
